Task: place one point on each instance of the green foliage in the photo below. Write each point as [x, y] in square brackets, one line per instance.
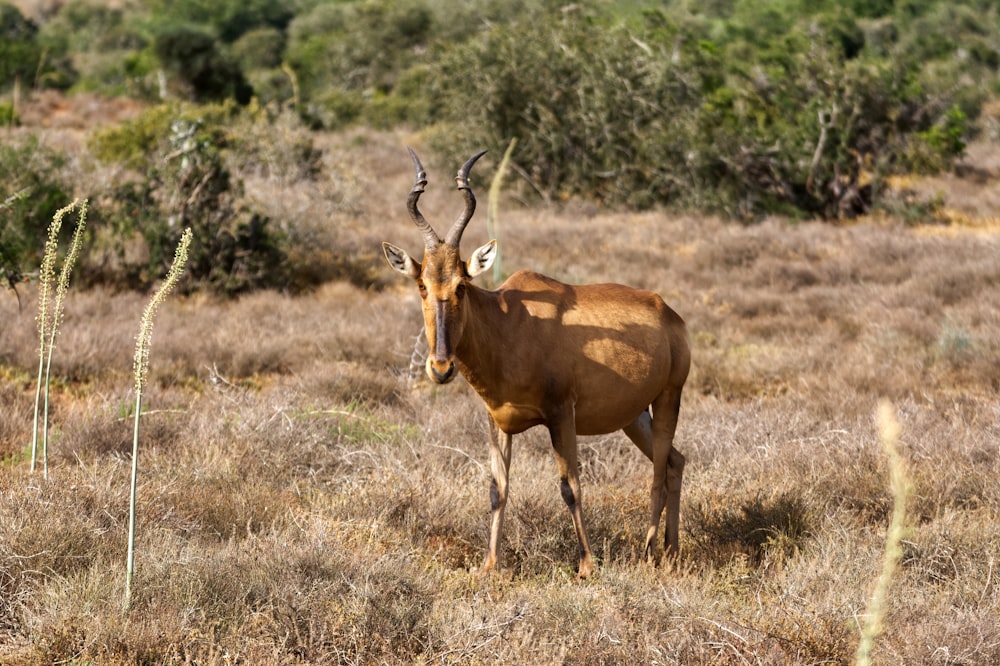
[130, 142]
[32, 172]
[792, 118]
[568, 88]
[8, 115]
[186, 182]
[20, 55]
[100, 47]
[932, 147]
[10, 270]
[229, 19]
[346, 53]
[743, 107]
[204, 73]
[260, 48]
[85, 26]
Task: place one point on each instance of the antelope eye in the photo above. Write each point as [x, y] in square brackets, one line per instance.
[423, 289]
[460, 291]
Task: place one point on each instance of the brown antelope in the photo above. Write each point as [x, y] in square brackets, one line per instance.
[580, 360]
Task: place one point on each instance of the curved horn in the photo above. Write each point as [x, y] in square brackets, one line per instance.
[455, 235]
[431, 239]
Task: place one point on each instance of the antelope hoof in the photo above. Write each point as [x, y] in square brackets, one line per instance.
[488, 567]
[649, 551]
[586, 569]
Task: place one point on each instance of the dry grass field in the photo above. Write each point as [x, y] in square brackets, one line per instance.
[302, 499]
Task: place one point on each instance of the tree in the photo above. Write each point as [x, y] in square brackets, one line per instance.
[191, 54]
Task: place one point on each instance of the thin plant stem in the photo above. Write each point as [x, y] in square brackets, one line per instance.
[46, 276]
[56, 318]
[141, 366]
[901, 487]
[294, 80]
[130, 557]
[493, 206]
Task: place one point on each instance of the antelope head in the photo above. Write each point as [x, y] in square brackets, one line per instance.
[442, 277]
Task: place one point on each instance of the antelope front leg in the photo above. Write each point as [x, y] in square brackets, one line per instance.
[675, 473]
[563, 433]
[500, 473]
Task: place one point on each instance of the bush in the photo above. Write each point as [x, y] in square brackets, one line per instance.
[745, 108]
[8, 115]
[185, 182]
[20, 55]
[229, 19]
[581, 99]
[205, 74]
[33, 192]
[100, 47]
[638, 115]
[259, 49]
[345, 54]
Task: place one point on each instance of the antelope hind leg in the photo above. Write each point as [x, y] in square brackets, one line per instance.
[640, 432]
[654, 437]
[665, 412]
[675, 473]
[563, 433]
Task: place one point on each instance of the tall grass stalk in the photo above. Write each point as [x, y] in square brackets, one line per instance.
[141, 366]
[493, 208]
[62, 286]
[901, 488]
[294, 80]
[48, 318]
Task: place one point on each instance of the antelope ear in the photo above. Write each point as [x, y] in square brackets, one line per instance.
[400, 261]
[482, 259]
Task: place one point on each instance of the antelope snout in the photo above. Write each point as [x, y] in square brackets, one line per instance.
[441, 371]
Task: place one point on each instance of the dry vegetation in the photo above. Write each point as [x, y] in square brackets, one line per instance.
[301, 502]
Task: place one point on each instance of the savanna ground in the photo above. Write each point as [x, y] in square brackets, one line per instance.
[305, 498]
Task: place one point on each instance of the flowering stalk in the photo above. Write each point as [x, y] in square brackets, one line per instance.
[57, 313]
[901, 489]
[141, 366]
[47, 323]
[493, 206]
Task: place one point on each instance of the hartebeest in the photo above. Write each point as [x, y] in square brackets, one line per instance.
[580, 360]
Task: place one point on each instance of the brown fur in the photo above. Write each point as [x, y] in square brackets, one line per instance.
[579, 360]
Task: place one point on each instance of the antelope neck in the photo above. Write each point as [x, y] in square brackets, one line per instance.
[476, 352]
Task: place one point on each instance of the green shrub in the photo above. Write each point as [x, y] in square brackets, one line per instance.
[131, 142]
[582, 99]
[8, 115]
[83, 26]
[99, 47]
[733, 106]
[932, 148]
[347, 53]
[229, 19]
[260, 48]
[663, 113]
[185, 182]
[33, 191]
[203, 72]
[20, 54]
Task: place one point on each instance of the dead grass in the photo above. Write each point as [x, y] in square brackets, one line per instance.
[300, 503]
